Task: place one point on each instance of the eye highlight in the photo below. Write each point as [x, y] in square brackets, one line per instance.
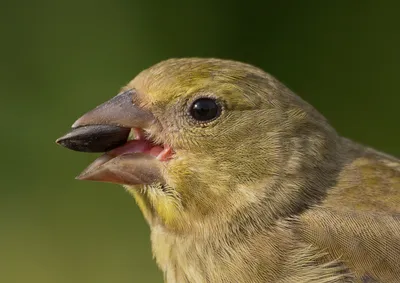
[205, 109]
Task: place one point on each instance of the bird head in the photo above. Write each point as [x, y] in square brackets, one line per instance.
[200, 141]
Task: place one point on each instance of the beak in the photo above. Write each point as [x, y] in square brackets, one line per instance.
[126, 169]
[118, 111]
[107, 127]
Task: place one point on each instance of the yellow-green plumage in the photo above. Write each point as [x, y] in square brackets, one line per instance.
[268, 191]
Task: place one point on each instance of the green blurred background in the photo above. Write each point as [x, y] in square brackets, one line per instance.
[62, 58]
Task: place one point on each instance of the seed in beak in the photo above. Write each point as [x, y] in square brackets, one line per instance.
[94, 138]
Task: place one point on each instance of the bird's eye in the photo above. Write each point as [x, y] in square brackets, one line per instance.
[205, 109]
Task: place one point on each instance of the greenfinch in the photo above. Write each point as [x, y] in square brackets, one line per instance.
[241, 180]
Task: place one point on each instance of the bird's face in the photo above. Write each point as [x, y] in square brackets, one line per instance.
[206, 135]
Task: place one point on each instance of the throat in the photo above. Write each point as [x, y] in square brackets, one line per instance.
[160, 205]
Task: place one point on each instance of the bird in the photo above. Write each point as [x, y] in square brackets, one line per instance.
[241, 180]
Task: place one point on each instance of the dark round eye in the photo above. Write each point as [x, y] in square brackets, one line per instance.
[205, 109]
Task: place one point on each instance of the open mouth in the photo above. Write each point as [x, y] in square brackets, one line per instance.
[115, 128]
[137, 142]
[117, 143]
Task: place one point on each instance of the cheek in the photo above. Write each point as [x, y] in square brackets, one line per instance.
[198, 182]
[180, 173]
[195, 174]
[194, 141]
